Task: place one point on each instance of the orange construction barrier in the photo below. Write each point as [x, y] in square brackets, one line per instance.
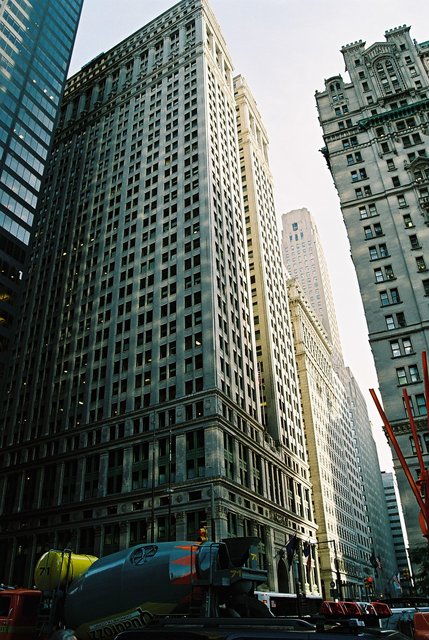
[421, 625]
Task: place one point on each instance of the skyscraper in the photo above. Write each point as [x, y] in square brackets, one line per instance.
[277, 377]
[305, 260]
[133, 409]
[35, 50]
[376, 147]
[348, 495]
[397, 526]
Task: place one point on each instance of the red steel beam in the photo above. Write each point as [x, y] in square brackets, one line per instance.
[400, 455]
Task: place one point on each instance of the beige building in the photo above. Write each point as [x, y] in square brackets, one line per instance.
[343, 535]
[304, 258]
[277, 378]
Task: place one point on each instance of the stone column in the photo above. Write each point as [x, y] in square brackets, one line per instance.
[98, 540]
[127, 469]
[80, 479]
[39, 485]
[221, 521]
[124, 534]
[102, 479]
[181, 533]
[181, 458]
[213, 440]
[271, 555]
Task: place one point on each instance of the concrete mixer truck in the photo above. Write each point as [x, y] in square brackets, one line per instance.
[100, 598]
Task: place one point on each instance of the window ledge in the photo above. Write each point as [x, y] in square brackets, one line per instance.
[380, 258]
[374, 237]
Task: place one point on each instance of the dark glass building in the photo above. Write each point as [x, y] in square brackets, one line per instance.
[36, 42]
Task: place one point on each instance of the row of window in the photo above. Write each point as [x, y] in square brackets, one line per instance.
[401, 347]
[408, 374]
[382, 274]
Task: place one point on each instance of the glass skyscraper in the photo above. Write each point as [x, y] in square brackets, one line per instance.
[36, 41]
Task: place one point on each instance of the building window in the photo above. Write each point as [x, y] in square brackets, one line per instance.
[400, 319]
[409, 141]
[388, 272]
[407, 346]
[401, 376]
[402, 202]
[373, 231]
[384, 298]
[363, 193]
[401, 347]
[421, 405]
[414, 242]
[408, 223]
[375, 253]
[390, 323]
[367, 211]
[350, 142]
[426, 287]
[389, 297]
[421, 264]
[391, 165]
[394, 322]
[378, 274]
[396, 182]
[358, 175]
[394, 347]
[394, 296]
[414, 373]
[387, 76]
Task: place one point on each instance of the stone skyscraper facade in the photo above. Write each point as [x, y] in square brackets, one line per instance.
[377, 147]
[134, 411]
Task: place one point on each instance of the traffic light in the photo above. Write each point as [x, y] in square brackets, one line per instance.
[202, 534]
[368, 582]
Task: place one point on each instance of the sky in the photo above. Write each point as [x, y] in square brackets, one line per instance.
[285, 49]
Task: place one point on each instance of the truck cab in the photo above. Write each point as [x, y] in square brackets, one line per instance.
[19, 613]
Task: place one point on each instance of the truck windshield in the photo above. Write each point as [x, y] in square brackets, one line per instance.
[5, 605]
